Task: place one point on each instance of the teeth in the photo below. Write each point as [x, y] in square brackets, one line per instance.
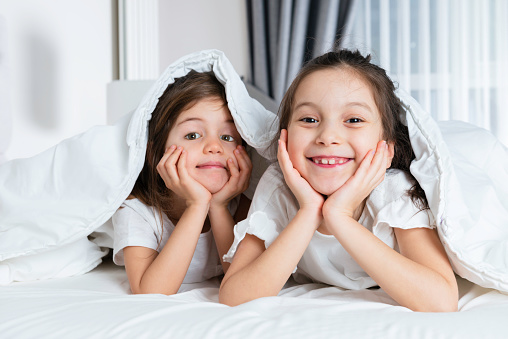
[330, 161]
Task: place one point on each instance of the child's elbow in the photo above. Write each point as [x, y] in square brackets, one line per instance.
[228, 298]
[225, 298]
[439, 308]
[445, 304]
[144, 290]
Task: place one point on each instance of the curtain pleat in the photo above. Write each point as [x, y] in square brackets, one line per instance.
[298, 38]
[273, 37]
[500, 31]
[384, 34]
[284, 39]
[327, 23]
[404, 46]
[260, 52]
[443, 62]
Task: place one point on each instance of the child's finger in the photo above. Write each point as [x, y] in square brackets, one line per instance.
[243, 162]
[375, 172]
[244, 167]
[181, 166]
[234, 171]
[242, 159]
[165, 156]
[161, 166]
[282, 154]
[362, 170]
[171, 164]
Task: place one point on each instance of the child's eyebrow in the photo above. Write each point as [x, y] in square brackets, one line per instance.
[349, 104]
[229, 121]
[305, 103]
[360, 104]
[189, 120]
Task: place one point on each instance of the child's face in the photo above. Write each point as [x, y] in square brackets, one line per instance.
[207, 132]
[334, 123]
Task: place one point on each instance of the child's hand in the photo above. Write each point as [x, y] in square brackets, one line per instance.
[172, 170]
[238, 181]
[303, 191]
[369, 174]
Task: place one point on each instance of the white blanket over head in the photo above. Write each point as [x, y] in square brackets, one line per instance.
[51, 203]
[464, 172]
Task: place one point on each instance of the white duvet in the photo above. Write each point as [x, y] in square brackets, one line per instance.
[51, 203]
[99, 305]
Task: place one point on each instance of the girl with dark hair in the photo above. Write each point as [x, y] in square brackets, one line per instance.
[341, 206]
[178, 220]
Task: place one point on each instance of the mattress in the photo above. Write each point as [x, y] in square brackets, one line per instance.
[98, 304]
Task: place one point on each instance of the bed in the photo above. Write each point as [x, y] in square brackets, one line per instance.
[59, 281]
[98, 304]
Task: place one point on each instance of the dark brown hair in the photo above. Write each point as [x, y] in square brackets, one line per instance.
[184, 93]
[387, 102]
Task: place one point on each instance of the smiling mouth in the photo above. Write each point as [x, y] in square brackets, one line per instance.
[329, 161]
[211, 165]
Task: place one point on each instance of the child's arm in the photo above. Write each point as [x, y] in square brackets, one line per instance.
[149, 272]
[221, 220]
[256, 272]
[420, 277]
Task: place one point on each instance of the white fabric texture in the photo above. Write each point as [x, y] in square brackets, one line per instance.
[99, 304]
[136, 224]
[65, 193]
[464, 172]
[325, 260]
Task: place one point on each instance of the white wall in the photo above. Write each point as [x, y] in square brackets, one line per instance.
[193, 25]
[60, 60]
[60, 56]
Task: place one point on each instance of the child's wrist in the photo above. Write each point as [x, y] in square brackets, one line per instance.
[217, 207]
[198, 205]
[312, 214]
[335, 213]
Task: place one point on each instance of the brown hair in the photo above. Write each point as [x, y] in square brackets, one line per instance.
[184, 93]
[387, 102]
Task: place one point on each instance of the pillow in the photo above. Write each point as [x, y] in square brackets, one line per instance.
[464, 172]
[59, 197]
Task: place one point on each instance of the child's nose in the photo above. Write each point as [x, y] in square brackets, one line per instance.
[213, 145]
[328, 135]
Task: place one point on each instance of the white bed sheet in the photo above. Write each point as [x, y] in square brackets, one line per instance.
[99, 305]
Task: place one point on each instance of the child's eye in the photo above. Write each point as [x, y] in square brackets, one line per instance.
[354, 120]
[193, 136]
[309, 120]
[228, 138]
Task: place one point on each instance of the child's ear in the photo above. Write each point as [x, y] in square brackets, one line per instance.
[391, 153]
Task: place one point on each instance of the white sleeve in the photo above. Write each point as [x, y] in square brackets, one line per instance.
[272, 207]
[391, 207]
[402, 213]
[131, 229]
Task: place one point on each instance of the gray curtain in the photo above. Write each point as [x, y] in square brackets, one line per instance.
[284, 34]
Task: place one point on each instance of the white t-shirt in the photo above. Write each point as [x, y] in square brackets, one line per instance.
[325, 260]
[137, 224]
